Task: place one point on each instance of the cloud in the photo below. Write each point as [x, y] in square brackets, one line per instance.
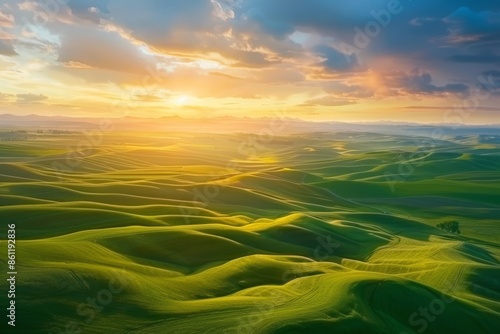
[475, 34]
[85, 47]
[6, 48]
[281, 51]
[421, 83]
[89, 10]
[490, 81]
[447, 108]
[75, 64]
[335, 60]
[6, 20]
[485, 58]
[329, 101]
[4, 96]
[346, 90]
[198, 28]
[283, 74]
[148, 98]
[469, 27]
[222, 10]
[160, 21]
[256, 33]
[30, 98]
[281, 18]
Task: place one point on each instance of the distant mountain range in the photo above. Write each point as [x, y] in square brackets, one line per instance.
[279, 125]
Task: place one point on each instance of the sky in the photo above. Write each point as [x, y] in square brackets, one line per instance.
[359, 60]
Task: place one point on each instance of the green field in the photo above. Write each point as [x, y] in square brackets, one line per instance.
[235, 233]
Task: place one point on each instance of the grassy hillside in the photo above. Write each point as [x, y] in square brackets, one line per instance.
[310, 233]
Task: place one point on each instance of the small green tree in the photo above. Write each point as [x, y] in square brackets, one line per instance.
[451, 226]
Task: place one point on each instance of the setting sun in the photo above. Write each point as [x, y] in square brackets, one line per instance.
[182, 100]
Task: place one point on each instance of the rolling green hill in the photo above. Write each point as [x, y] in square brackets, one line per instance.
[308, 233]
